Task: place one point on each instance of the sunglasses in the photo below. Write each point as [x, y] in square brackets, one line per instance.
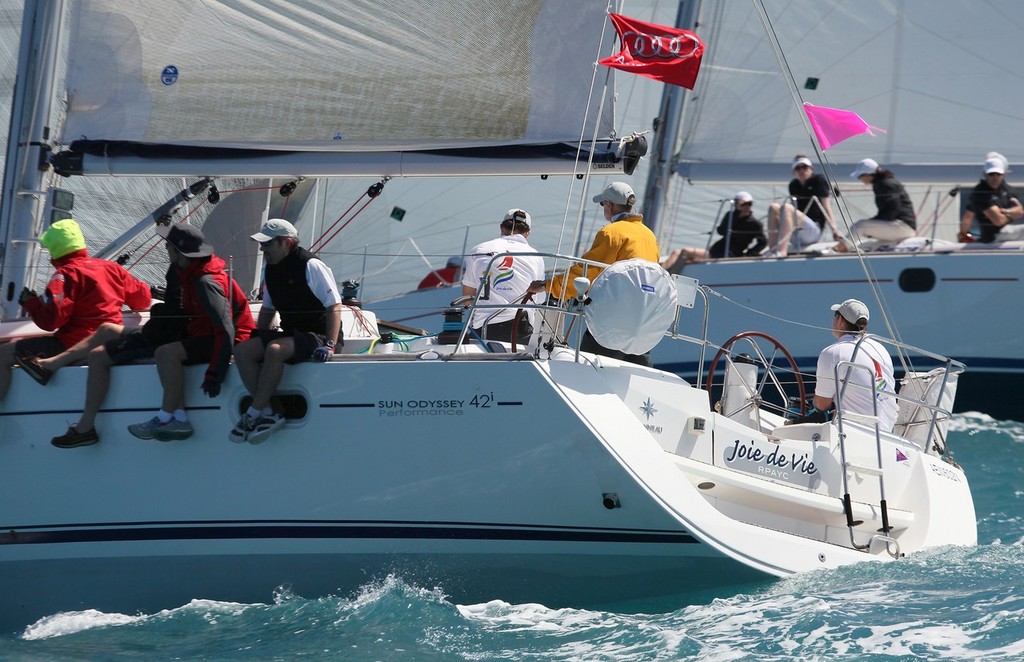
[267, 243]
[802, 166]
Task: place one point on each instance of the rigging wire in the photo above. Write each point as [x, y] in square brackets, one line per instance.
[828, 166]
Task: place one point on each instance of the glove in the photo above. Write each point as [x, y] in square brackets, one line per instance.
[25, 295]
[965, 237]
[211, 385]
[815, 415]
[324, 352]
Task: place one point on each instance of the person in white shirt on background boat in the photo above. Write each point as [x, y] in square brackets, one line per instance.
[798, 222]
[509, 280]
[740, 231]
[300, 288]
[849, 323]
[895, 219]
[994, 204]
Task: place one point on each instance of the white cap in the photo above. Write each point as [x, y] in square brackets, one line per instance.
[852, 311]
[865, 167]
[801, 160]
[994, 165]
[521, 215]
[619, 193]
[275, 227]
[743, 196]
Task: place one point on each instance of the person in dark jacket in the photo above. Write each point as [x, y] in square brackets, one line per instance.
[742, 234]
[83, 293]
[218, 317]
[300, 288]
[738, 228]
[895, 219]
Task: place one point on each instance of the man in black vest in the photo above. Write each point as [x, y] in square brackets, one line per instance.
[301, 289]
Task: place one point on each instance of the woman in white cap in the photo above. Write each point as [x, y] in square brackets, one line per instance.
[798, 222]
[994, 204]
[895, 219]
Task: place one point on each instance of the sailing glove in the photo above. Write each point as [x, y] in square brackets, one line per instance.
[211, 385]
[322, 353]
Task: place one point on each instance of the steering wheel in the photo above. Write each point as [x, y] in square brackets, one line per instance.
[765, 360]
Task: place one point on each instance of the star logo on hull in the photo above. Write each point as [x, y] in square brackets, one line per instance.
[648, 409]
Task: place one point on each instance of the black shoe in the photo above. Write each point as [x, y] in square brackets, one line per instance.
[35, 369]
[73, 438]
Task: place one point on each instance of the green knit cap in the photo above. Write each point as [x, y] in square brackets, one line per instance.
[62, 238]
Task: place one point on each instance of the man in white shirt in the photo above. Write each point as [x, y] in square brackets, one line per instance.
[509, 279]
[849, 323]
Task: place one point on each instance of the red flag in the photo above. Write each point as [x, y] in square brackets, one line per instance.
[669, 55]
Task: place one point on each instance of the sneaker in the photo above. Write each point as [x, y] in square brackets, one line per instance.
[34, 369]
[145, 430]
[73, 438]
[240, 433]
[173, 430]
[264, 427]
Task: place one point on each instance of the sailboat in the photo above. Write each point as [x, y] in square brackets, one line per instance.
[920, 72]
[489, 470]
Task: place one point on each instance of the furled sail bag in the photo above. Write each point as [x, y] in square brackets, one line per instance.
[632, 303]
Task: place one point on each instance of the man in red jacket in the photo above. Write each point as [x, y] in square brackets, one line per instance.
[218, 317]
[82, 294]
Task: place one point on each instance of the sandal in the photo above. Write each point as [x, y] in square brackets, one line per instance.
[35, 369]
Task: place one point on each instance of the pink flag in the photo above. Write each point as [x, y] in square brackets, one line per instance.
[833, 126]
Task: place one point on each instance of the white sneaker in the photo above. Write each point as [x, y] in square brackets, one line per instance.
[264, 427]
[240, 433]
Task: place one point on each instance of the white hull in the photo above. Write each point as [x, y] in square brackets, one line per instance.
[487, 476]
[969, 313]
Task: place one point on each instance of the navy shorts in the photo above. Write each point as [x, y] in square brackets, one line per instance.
[41, 347]
[306, 342]
[131, 345]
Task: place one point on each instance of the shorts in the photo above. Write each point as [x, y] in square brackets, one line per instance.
[306, 342]
[198, 349]
[805, 232]
[42, 347]
[131, 345]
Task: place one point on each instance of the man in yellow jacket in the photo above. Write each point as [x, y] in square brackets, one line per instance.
[625, 237]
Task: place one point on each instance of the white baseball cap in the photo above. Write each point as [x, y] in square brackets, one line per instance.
[743, 196]
[865, 167]
[619, 193]
[801, 160]
[521, 215]
[275, 227]
[852, 310]
[994, 165]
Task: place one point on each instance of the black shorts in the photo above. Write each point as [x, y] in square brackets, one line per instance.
[132, 345]
[306, 342]
[198, 349]
[42, 347]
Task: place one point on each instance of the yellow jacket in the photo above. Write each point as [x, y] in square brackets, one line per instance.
[624, 238]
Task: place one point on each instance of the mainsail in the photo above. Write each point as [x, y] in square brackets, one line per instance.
[188, 80]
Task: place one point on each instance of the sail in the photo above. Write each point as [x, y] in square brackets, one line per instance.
[937, 76]
[190, 79]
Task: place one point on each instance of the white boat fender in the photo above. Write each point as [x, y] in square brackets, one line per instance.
[632, 304]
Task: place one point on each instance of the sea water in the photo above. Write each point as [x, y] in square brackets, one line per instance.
[949, 603]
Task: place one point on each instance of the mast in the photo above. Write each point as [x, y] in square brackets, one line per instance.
[670, 117]
[24, 193]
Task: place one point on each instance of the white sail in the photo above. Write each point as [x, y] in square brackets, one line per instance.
[319, 77]
[938, 77]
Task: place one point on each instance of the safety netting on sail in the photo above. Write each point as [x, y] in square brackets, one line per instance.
[632, 303]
